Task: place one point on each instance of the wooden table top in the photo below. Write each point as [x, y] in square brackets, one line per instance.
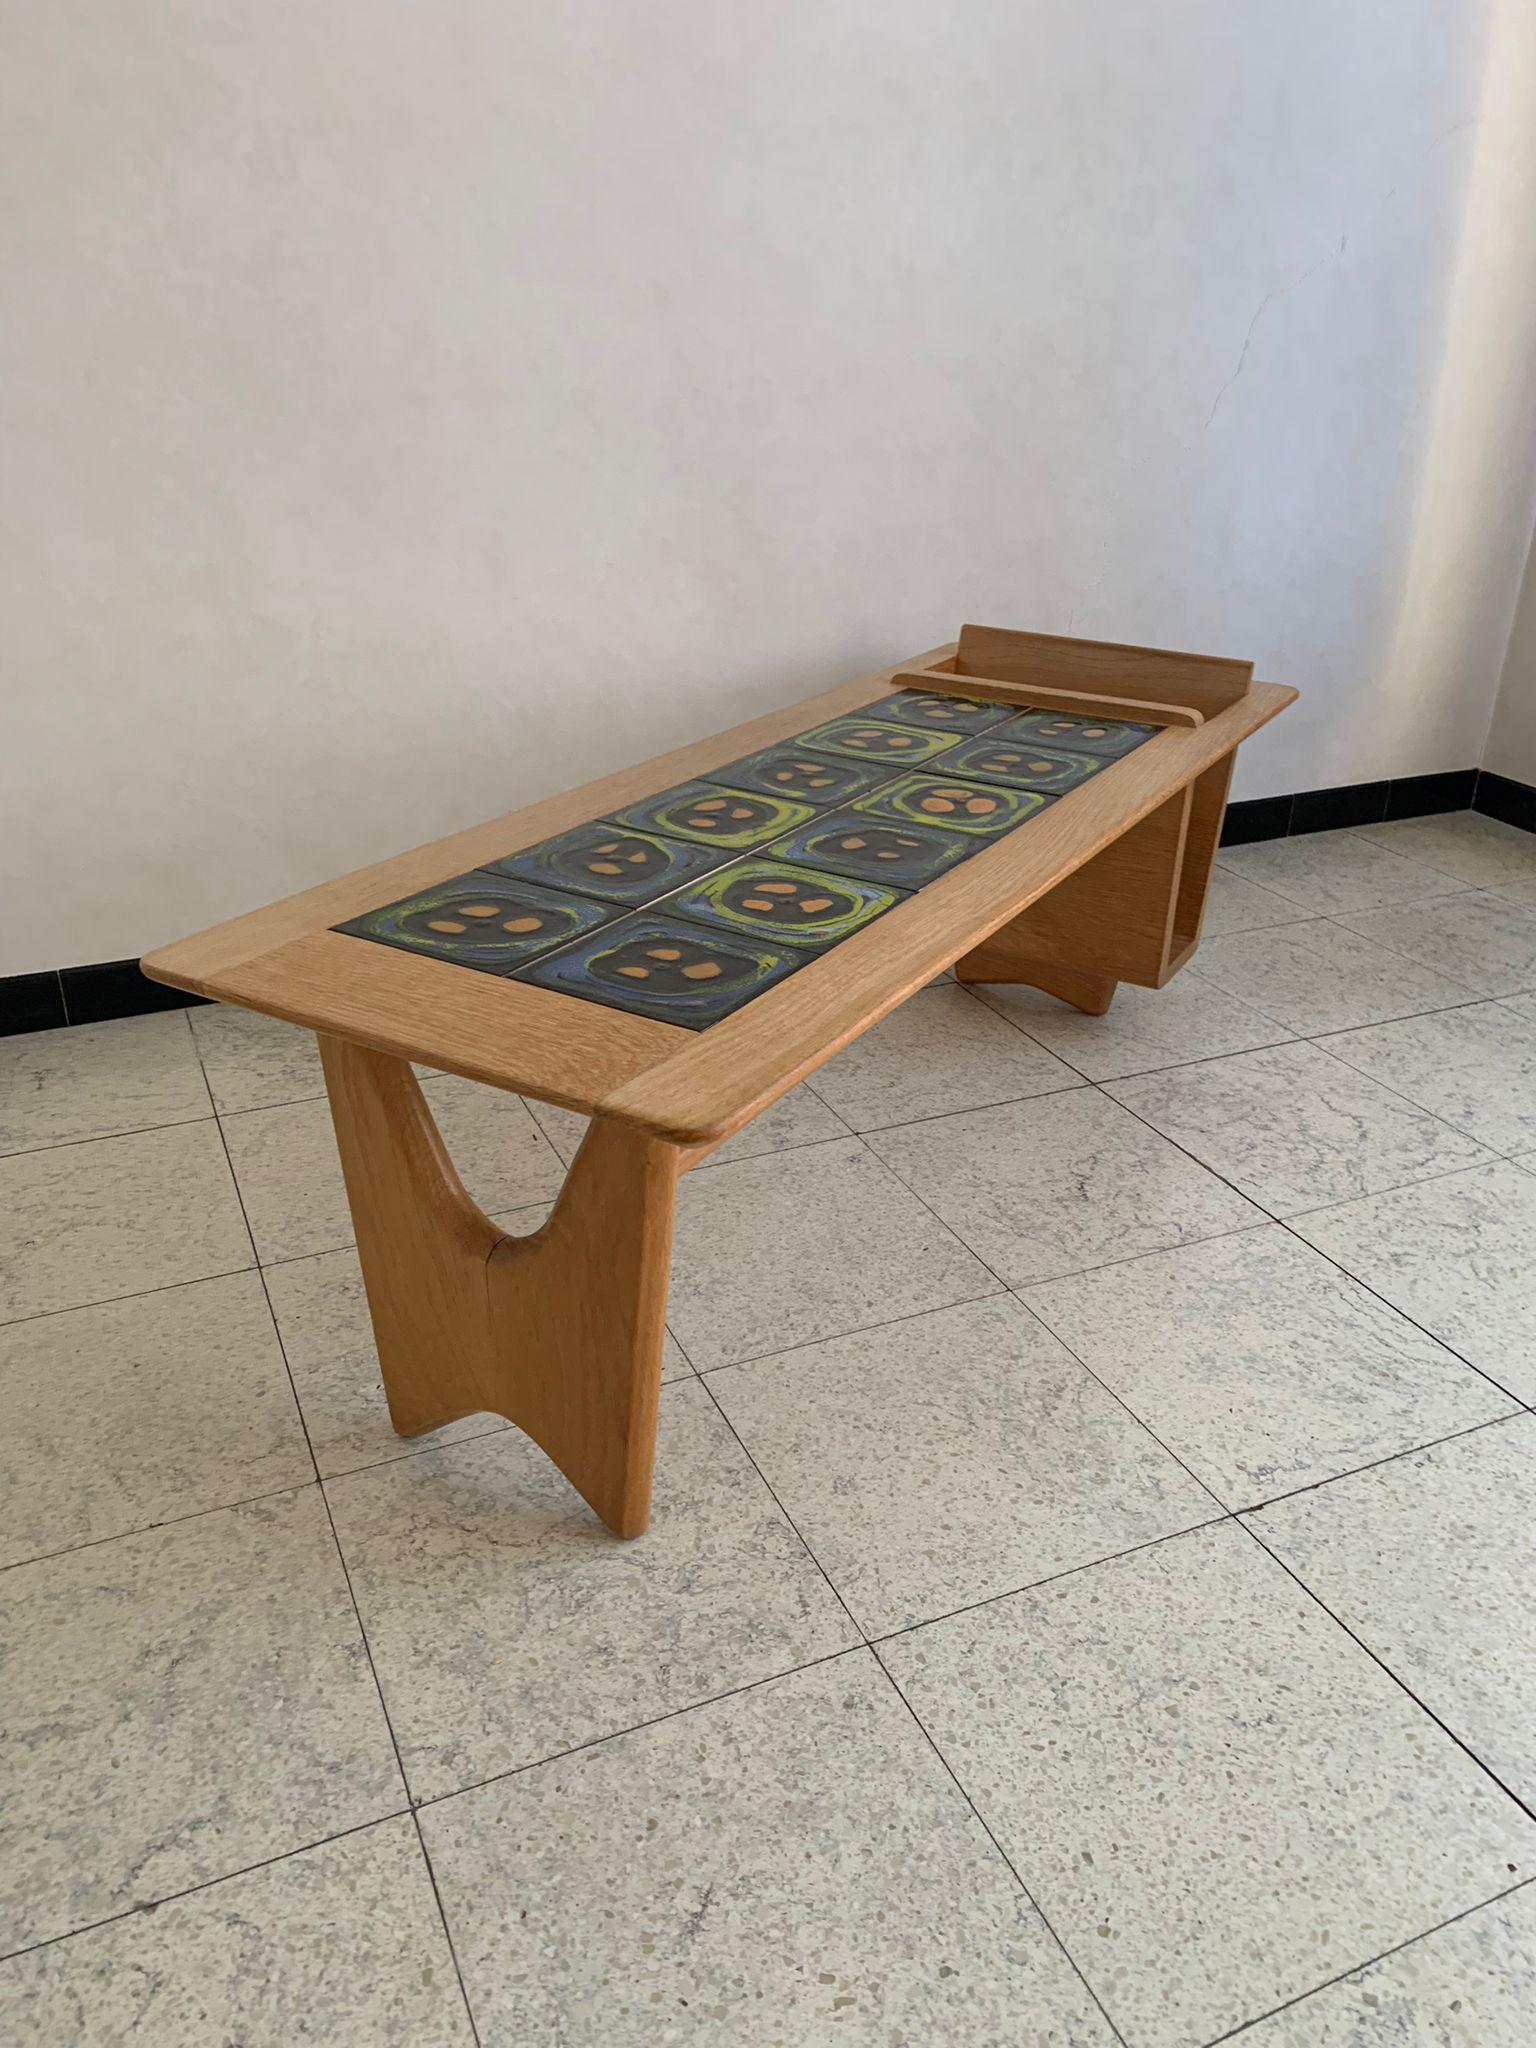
[691, 1087]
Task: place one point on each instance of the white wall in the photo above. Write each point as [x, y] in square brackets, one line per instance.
[414, 408]
[1511, 748]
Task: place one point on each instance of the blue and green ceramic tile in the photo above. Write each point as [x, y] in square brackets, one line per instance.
[784, 904]
[983, 811]
[1001, 757]
[876, 739]
[900, 856]
[937, 711]
[660, 967]
[606, 861]
[808, 778]
[710, 814]
[481, 920]
[1109, 737]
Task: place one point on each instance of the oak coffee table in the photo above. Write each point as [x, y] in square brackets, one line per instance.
[668, 949]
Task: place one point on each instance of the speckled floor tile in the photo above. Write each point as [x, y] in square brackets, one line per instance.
[798, 1118]
[942, 1050]
[1482, 852]
[809, 1244]
[341, 1944]
[134, 1412]
[290, 1177]
[134, 1074]
[1066, 1181]
[1319, 977]
[1324, 872]
[115, 1216]
[1522, 893]
[1260, 1365]
[790, 1868]
[322, 1315]
[1427, 1559]
[1234, 905]
[951, 1457]
[1469, 1985]
[180, 1704]
[1480, 940]
[507, 1624]
[255, 1062]
[1143, 1029]
[1475, 1067]
[1215, 1796]
[1458, 1255]
[1295, 1128]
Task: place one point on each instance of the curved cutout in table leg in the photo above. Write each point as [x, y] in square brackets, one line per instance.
[560, 1331]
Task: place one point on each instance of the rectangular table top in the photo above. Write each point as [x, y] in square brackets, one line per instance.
[689, 1086]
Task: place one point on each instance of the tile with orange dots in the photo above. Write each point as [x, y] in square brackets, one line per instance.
[661, 967]
[900, 856]
[784, 904]
[876, 739]
[607, 861]
[710, 814]
[481, 920]
[938, 711]
[1109, 737]
[1023, 764]
[806, 777]
[986, 811]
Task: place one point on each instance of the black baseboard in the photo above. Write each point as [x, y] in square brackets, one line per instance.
[117, 988]
[83, 995]
[1377, 803]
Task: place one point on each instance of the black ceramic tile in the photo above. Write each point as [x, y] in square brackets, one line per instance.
[661, 967]
[1425, 796]
[1329, 810]
[1110, 737]
[481, 920]
[984, 810]
[609, 862]
[1263, 817]
[899, 856]
[937, 711]
[877, 739]
[1512, 802]
[30, 1002]
[1023, 764]
[806, 777]
[713, 814]
[782, 904]
[117, 988]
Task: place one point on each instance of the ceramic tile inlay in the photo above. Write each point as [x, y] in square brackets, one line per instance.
[787, 905]
[534, 914]
[480, 920]
[681, 973]
[609, 862]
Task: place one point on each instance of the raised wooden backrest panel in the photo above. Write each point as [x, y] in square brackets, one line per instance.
[1157, 675]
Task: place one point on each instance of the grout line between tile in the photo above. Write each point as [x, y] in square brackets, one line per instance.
[1354, 1969]
[206, 1884]
[357, 1615]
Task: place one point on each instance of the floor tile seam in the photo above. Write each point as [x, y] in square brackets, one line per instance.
[1071, 1353]
[1283, 1223]
[43, 1315]
[423, 1802]
[1007, 1861]
[174, 1123]
[1521, 1805]
[1355, 1969]
[204, 1884]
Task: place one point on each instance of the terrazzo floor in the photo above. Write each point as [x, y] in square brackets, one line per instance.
[1089, 1598]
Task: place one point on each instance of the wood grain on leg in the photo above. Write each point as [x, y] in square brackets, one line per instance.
[560, 1331]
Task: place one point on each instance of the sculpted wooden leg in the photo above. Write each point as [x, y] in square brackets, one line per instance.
[560, 1331]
